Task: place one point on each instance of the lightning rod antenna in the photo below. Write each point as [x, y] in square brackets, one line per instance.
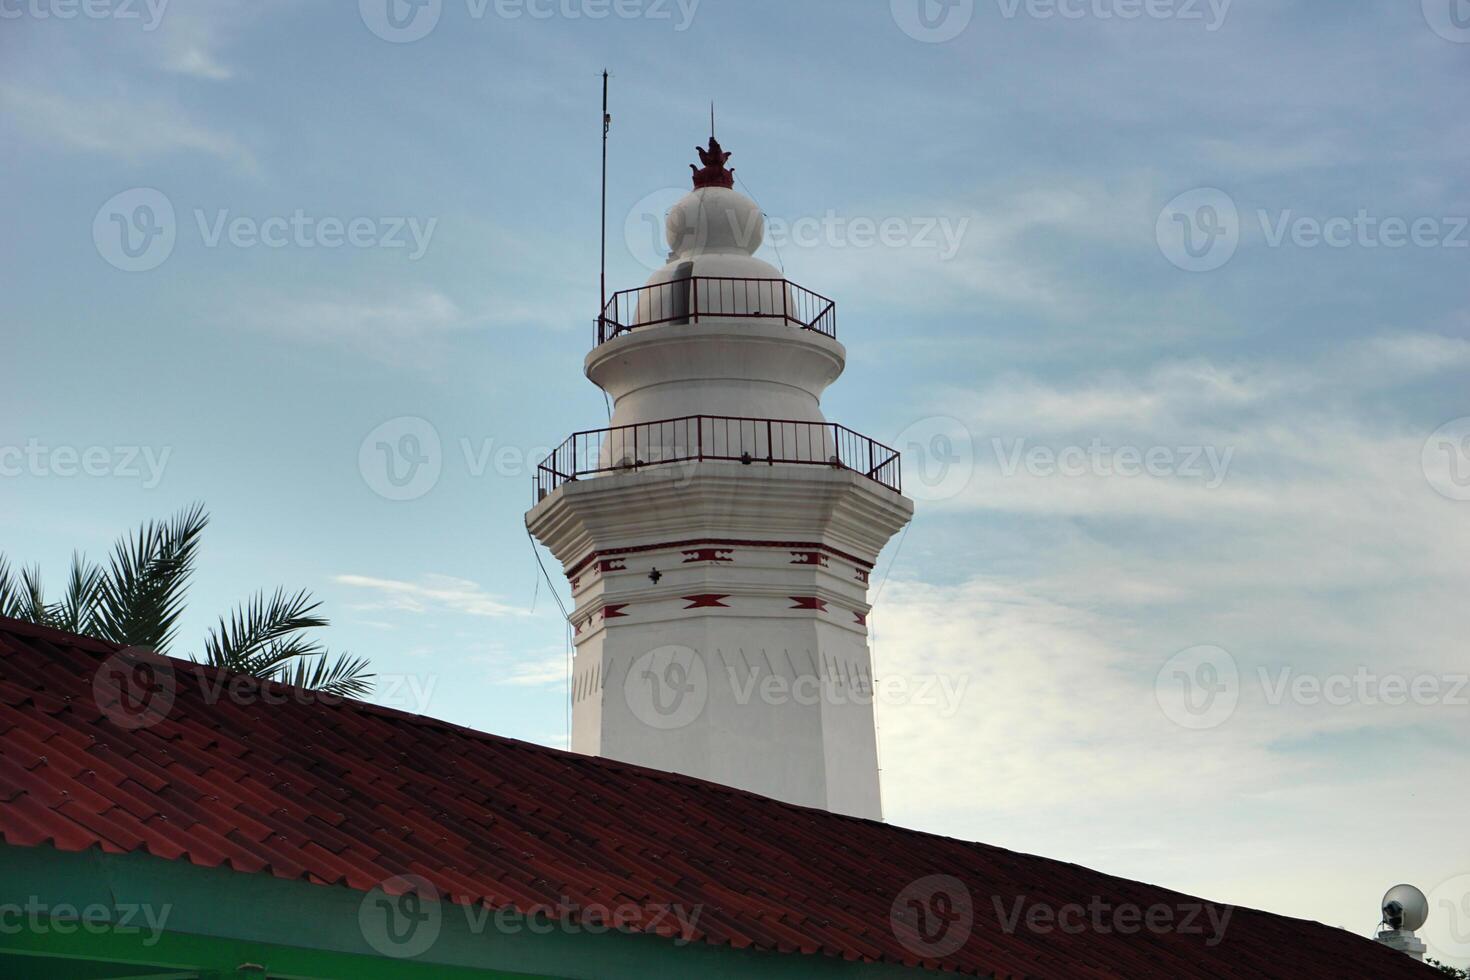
[602, 276]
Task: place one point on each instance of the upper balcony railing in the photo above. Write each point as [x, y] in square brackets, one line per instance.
[768, 442]
[687, 300]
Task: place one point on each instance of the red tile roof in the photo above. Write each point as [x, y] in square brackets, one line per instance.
[265, 779]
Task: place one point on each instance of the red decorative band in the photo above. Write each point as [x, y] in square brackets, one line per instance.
[808, 602]
[614, 611]
[706, 600]
[723, 544]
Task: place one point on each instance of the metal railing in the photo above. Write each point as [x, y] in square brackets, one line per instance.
[686, 300]
[768, 442]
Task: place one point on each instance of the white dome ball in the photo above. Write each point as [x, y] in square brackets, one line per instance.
[714, 220]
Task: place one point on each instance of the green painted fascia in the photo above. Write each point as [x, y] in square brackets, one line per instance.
[217, 919]
[110, 954]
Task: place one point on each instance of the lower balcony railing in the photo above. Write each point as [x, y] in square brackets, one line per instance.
[766, 442]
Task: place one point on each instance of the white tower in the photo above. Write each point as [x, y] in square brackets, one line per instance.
[719, 535]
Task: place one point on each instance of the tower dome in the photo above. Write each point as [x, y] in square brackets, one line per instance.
[714, 221]
[714, 230]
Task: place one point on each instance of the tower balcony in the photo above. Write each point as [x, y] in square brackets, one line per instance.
[695, 438]
[687, 299]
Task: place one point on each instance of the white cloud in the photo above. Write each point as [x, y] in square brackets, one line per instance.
[407, 325]
[431, 594]
[549, 671]
[1060, 747]
[131, 128]
[1325, 552]
[199, 63]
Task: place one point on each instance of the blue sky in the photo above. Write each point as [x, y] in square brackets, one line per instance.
[1104, 239]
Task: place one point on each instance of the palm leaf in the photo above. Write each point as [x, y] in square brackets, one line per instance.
[32, 597]
[246, 641]
[78, 607]
[141, 594]
[9, 594]
[344, 675]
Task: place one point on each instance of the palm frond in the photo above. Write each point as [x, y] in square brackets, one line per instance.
[141, 594]
[9, 596]
[344, 675]
[244, 642]
[265, 663]
[78, 607]
[32, 597]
